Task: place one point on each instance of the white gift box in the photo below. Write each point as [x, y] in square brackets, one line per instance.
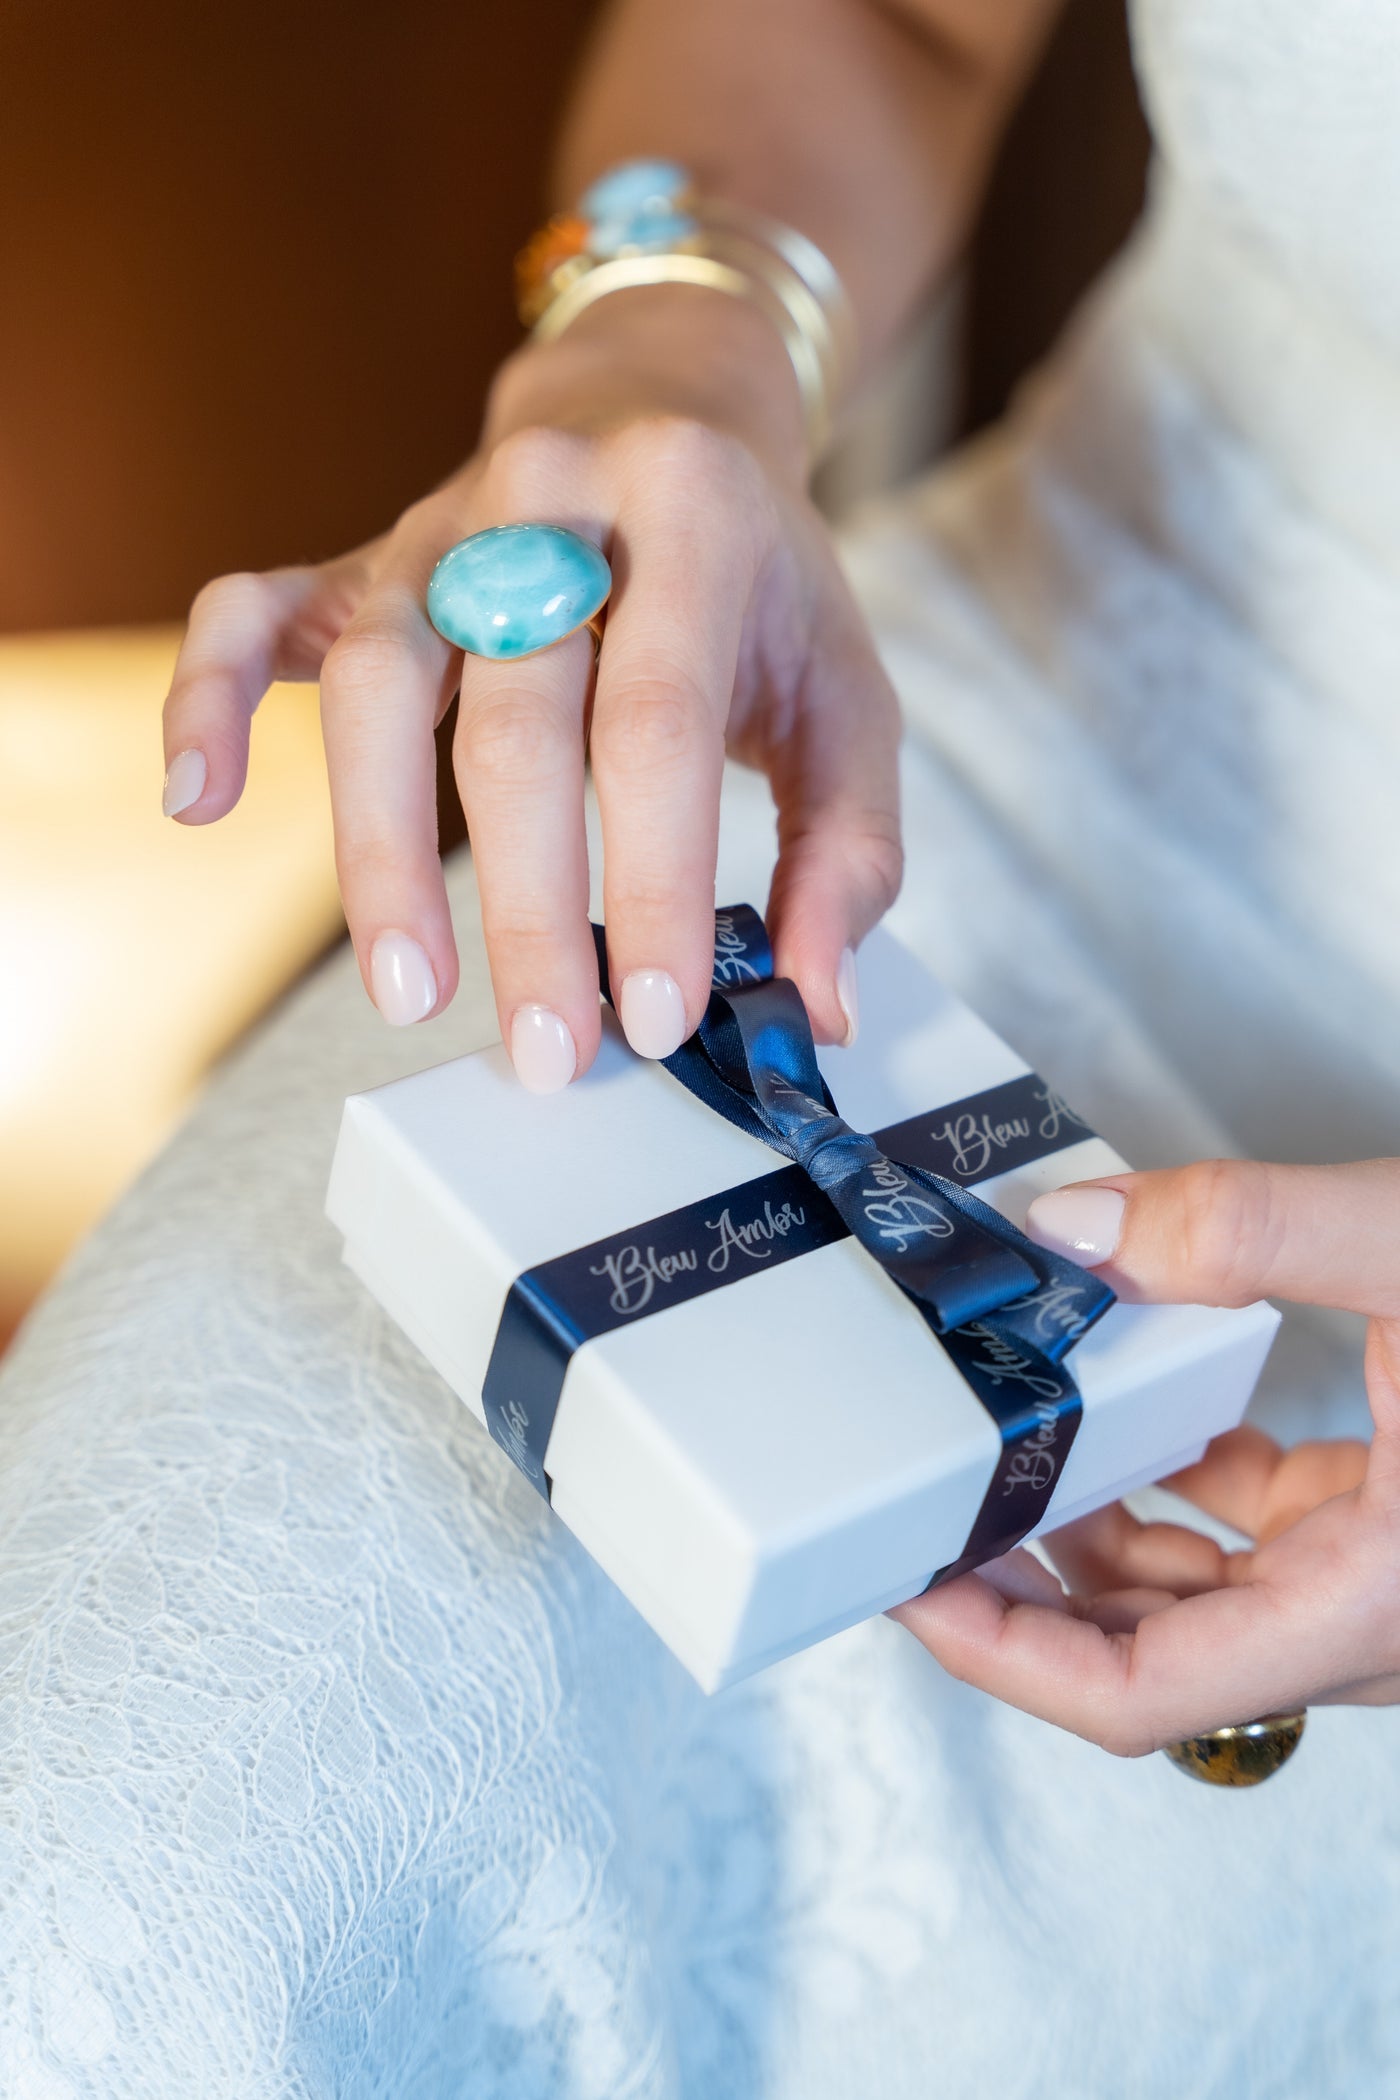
[761, 1466]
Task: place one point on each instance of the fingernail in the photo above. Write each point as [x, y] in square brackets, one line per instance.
[184, 782]
[1085, 1223]
[542, 1050]
[653, 1012]
[401, 979]
[848, 995]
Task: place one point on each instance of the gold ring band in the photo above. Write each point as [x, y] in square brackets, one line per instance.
[1243, 1755]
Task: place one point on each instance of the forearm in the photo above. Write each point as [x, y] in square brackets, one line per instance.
[867, 126]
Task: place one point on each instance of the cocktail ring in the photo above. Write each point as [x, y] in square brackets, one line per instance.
[1243, 1755]
[514, 590]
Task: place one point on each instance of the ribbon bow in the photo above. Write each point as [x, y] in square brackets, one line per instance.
[1006, 1311]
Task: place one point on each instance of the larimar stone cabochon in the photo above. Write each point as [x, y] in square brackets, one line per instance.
[641, 233]
[515, 589]
[635, 187]
[636, 208]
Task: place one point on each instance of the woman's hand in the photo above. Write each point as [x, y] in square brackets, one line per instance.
[665, 426]
[1163, 1635]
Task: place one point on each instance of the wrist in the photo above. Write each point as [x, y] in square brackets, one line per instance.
[666, 349]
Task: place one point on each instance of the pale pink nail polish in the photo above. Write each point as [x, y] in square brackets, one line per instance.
[401, 979]
[653, 1012]
[542, 1050]
[1085, 1223]
[184, 782]
[848, 995]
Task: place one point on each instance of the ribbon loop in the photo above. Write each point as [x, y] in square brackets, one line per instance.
[830, 1151]
[1006, 1310]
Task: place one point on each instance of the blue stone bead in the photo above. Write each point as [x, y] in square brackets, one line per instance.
[635, 186]
[647, 232]
[515, 589]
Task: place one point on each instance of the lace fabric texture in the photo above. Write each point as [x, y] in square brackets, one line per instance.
[329, 1766]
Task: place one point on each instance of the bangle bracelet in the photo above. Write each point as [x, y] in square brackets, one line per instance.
[806, 312]
[807, 262]
[644, 224]
[625, 273]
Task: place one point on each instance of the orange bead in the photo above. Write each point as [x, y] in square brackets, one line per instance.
[561, 240]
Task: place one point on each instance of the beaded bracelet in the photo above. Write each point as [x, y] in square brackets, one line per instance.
[643, 223]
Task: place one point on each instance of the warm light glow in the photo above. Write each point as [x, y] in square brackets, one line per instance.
[132, 949]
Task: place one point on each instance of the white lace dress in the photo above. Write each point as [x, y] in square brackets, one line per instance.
[330, 1767]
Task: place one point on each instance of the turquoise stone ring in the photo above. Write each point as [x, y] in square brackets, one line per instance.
[513, 590]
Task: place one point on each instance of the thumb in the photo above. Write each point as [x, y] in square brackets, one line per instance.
[1226, 1231]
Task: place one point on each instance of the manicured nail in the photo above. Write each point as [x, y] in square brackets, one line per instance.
[848, 995]
[653, 1012]
[184, 782]
[401, 979]
[542, 1050]
[1085, 1223]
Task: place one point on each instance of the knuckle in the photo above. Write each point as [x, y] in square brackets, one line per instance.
[1122, 1739]
[242, 596]
[955, 1663]
[677, 458]
[1230, 1227]
[880, 854]
[682, 445]
[645, 897]
[534, 463]
[360, 663]
[868, 856]
[509, 745]
[433, 518]
[524, 929]
[394, 616]
[651, 726]
[369, 861]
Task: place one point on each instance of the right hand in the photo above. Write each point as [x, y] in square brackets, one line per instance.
[1155, 1632]
[664, 427]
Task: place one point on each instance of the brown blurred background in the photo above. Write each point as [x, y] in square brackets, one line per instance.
[254, 278]
[255, 267]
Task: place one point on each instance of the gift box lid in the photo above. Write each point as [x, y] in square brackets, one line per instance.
[762, 1465]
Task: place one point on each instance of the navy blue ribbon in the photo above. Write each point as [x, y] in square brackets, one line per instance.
[1006, 1311]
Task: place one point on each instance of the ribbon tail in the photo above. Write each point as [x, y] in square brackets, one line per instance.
[1014, 1358]
[1005, 1310]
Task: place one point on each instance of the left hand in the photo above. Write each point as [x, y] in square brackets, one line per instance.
[666, 427]
[1162, 1634]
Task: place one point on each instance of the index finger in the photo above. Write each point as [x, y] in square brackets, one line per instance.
[384, 684]
[243, 632]
[1228, 1231]
[1181, 1669]
[1254, 1484]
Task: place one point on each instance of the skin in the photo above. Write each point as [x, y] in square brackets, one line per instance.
[666, 426]
[1157, 1633]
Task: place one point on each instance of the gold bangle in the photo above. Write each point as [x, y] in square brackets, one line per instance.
[626, 273]
[803, 257]
[645, 223]
[806, 311]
